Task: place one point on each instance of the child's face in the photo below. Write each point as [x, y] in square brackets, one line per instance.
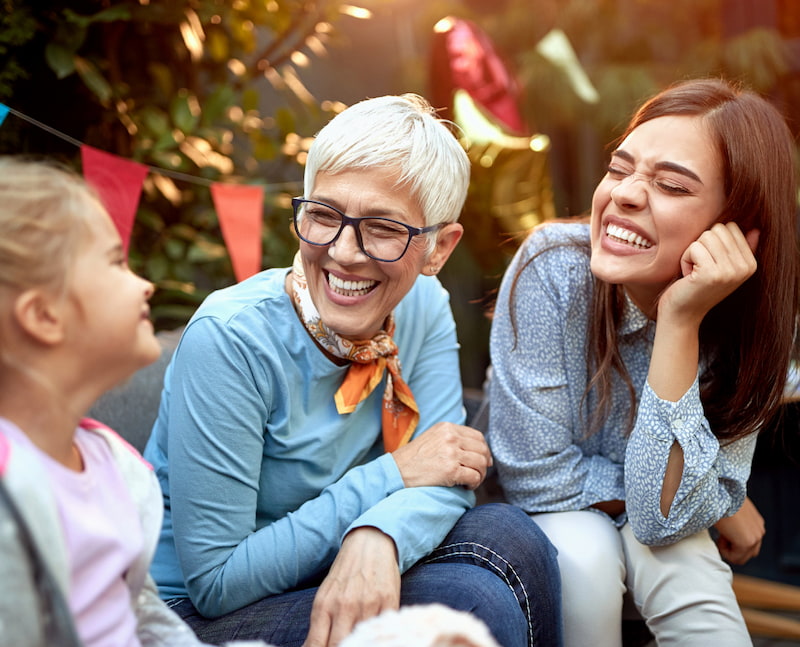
[111, 325]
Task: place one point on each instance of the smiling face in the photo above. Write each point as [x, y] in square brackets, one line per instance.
[111, 323]
[663, 188]
[352, 292]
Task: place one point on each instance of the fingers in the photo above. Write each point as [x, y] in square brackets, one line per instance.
[737, 554]
[731, 250]
[446, 454]
[712, 267]
[333, 620]
[363, 581]
[741, 534]
[319, 629]
[462, 453]
[469, 476]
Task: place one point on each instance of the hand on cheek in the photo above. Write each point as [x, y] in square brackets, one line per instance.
[712, 267]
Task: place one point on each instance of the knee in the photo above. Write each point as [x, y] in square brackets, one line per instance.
[593, 580]
[470, 588]
[509, 531]
[590, 555]
[491, 600]
[685, 574]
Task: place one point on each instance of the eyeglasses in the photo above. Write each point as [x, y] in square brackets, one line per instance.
[382, 239]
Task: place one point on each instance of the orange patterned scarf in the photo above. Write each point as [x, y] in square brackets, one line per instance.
[370, 358]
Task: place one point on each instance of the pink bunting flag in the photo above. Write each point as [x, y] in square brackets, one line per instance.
[240, 209]
[118, 182]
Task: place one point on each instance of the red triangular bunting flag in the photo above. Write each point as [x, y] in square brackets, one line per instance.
[240, 209]
[118, 182]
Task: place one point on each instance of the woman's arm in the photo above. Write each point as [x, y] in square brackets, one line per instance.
[539, 375]
[687, 466]
[220, 402]
[713, 481]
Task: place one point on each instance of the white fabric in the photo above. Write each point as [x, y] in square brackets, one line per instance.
[103, 540]
[687, 582]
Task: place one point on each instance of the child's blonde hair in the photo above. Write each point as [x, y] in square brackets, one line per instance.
[44, 221]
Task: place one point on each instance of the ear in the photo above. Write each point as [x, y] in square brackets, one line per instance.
[446, 242]
[40, 315]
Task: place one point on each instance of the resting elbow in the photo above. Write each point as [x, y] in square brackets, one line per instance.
[208, 599]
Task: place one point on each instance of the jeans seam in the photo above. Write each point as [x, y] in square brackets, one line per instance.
[472, 553]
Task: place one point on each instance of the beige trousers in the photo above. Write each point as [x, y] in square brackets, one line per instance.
[683, 591]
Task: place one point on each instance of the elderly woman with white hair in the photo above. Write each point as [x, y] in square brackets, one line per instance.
[310, 440]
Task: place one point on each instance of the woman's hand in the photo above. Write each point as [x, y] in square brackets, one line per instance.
[712, 267]
[740, 534]
[446, 454]
[363, 581]
[612, 508]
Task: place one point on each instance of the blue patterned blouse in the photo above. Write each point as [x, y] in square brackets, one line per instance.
[538, 421]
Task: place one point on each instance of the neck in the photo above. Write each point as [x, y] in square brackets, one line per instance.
[47, 416]
[289, 290]
[645, 301]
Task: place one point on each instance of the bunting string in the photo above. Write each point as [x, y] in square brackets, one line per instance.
[118, 182]
[44, 127]
[176, 175]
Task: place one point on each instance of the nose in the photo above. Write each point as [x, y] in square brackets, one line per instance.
[345, 250]
[630, 192]
[149, 287]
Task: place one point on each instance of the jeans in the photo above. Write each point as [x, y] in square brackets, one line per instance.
[495, 563]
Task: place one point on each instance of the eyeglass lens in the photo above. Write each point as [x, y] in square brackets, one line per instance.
[381, 238]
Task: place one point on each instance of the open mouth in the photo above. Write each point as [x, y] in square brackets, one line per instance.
[626, 236]
[350, 288]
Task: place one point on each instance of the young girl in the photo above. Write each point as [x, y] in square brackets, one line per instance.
[636, 358]
[80, 511]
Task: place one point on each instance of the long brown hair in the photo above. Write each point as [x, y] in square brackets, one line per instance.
[747, 340]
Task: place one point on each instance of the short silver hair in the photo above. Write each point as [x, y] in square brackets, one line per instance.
[397, 132]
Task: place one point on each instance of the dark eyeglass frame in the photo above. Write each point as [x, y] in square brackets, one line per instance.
[355, 224]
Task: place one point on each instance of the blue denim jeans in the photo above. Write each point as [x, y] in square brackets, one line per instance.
[495, 563]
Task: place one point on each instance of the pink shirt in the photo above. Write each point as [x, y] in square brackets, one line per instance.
[103, 537]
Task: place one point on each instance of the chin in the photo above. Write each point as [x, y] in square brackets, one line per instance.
[353, 335]
[150, 352]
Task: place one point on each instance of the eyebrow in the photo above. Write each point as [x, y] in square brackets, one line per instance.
[661, 166]
[372, 212]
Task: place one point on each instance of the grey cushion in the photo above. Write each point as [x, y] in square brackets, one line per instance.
[131, 408]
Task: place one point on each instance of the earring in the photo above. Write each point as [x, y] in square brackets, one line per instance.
[434, 269]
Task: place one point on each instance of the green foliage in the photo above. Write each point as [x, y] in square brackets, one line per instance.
[212, 89]
[17, 28]
[178, 85]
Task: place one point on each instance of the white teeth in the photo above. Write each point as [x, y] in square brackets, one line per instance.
[628, 236]
[350, 288]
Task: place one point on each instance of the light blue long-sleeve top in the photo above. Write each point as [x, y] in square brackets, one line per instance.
[538, 423]
[262, 478]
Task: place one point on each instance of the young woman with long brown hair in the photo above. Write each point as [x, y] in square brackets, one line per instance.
[637, 357]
